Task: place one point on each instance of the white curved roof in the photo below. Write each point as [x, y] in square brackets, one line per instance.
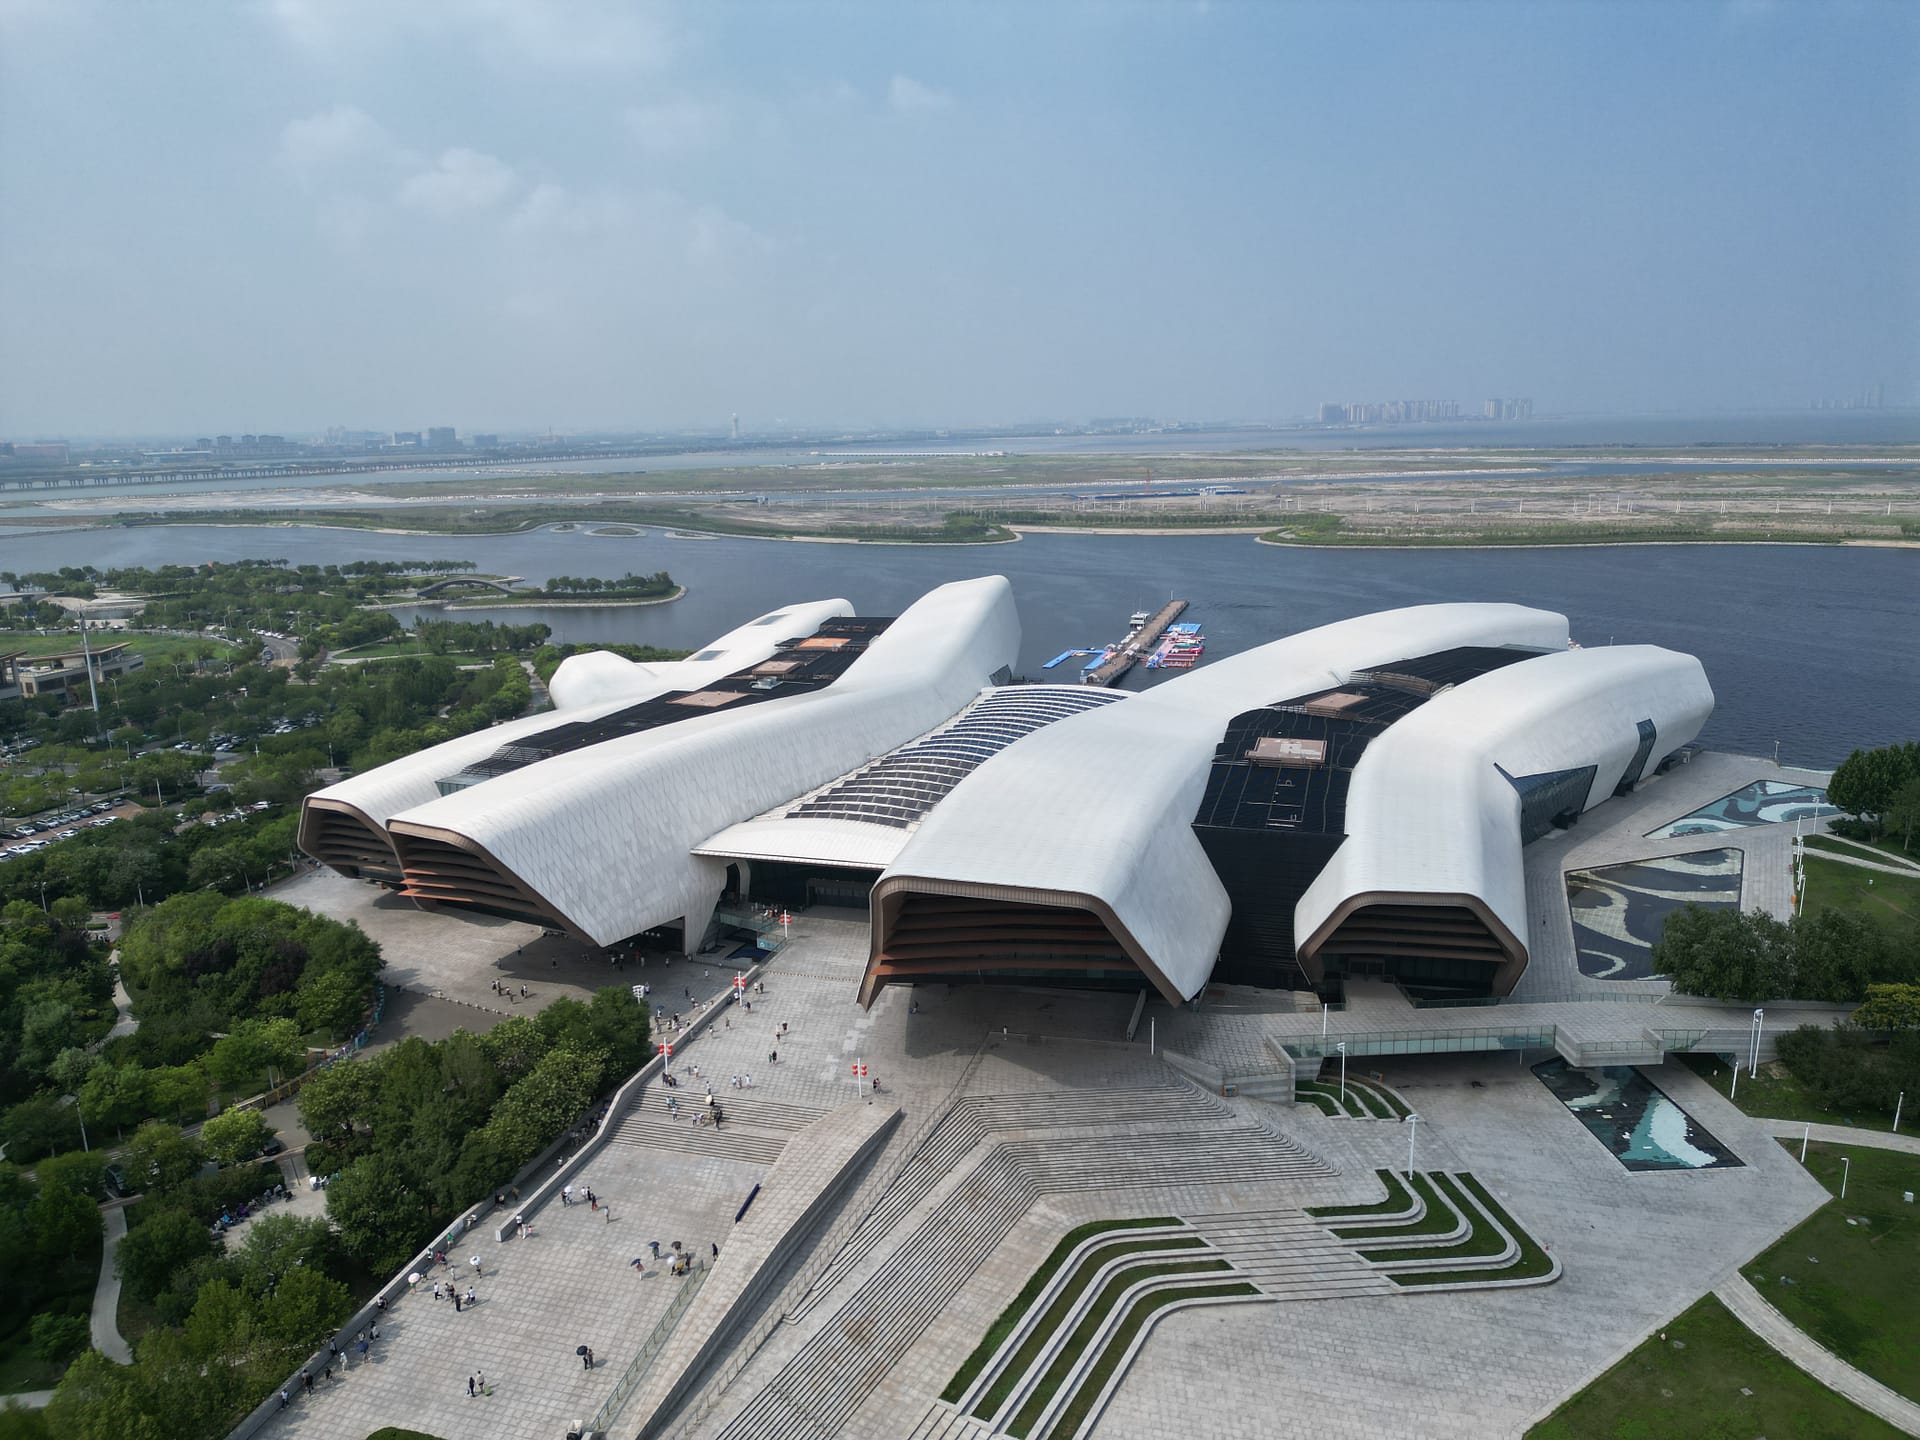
[605, 834]
[599, 677]
[385, 791]
[1429, 812]
[1097, 811]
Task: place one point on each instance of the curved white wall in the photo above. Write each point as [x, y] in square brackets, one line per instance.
[1101, 805]
[605, 834]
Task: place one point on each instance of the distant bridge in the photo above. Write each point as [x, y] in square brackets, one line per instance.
[468, 582]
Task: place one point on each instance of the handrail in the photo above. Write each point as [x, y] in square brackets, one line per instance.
[649, 1351]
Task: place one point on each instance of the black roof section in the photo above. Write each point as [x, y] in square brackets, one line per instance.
[801, 664]
[1309, 796]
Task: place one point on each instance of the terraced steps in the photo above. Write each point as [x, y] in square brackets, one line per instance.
[825, 1382]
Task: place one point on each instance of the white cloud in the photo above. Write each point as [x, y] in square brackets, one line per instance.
[907, 94]
[463, 182]
[674, 127]
[598, 34]
[341, 139]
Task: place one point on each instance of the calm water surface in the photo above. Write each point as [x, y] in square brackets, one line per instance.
[1817, 647]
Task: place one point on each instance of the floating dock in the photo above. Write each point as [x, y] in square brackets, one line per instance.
[1136, 647]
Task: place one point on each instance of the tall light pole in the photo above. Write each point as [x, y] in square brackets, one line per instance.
[1342, 1048]
[1413, 1129]
[1846, 1169]
[1896, 1111]
[1753, 1057]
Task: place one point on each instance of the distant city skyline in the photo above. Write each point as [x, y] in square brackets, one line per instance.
[589, 215]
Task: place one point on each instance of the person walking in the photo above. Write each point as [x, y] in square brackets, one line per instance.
[654, 1246]
[607, 1210]
[285, 1399]
[586, 1359]
[469, 1296]
[456, 1302]
[470, 1387]
[746, 1081]
[773, 1057]
[474, 1261]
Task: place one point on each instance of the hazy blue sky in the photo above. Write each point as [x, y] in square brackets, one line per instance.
[512, 213]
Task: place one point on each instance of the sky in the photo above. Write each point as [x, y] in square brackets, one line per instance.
[280, 215]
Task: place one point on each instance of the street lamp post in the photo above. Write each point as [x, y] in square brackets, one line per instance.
[1846, 1169]
[1898, 1102]
[1342, 1048]
[1413, 1129]
[1753, 1056]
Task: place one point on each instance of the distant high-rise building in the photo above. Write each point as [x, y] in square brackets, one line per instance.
[486, 442]
[733, 430]
[406, 437]
[441, 437]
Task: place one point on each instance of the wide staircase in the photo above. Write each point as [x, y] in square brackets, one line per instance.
[753, 1130]
[825, 1382]
[1290, 1255]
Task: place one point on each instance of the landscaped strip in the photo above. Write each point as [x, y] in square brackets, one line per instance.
[1532, 1263]
[1089, 1326]
[1094, 1382]
[1441, 1218]
[1398, 1199]
[1062, 1306]
[1009, 1317]
[1482, 1239]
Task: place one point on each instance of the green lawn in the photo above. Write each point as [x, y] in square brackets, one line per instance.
[1774, 1094]
[1693, 1384]
[1893, 900]
[1852, 1285]
[1888, 844]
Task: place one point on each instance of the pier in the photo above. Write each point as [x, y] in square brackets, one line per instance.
[1130, 651]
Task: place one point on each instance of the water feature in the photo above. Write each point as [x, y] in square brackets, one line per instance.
[1634, 1119]
[1817, 647]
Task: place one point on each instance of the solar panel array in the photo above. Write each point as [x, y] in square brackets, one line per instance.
[900, 788]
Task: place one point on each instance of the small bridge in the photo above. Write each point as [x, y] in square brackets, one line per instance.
[467, 582]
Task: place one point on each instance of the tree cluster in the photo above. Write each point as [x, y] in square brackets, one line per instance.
[628, 586]
[1850, 1069]
[466, 637]
[420, 1131]
[1882, 787]
[1834, 955]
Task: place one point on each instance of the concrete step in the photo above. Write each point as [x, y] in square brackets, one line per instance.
[726, 1142]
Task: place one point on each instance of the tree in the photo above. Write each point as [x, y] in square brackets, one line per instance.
[82, 1171]
[44, 1125]
[382, 1220]
[161, 1156]
[235, 1135]
[332, 1003]
[255, 1045]
[1723, 953]
[99, 1400]
[1866, 782]
[303, 1311]
[338, 1100]
[279, 1244]
[154, 1251]
[116, 1095]
[1890, 1007]
[62, 1225]
[1902, 815]
[1836, 955]
[59, 1337]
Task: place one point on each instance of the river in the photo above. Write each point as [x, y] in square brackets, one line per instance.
[1817, 647]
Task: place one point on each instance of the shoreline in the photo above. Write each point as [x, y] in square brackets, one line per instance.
[1017, 533]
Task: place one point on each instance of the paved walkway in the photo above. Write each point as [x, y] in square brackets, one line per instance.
[1843, 1135]
[27, 1399]
[1821, 1363]
[106, 1292]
